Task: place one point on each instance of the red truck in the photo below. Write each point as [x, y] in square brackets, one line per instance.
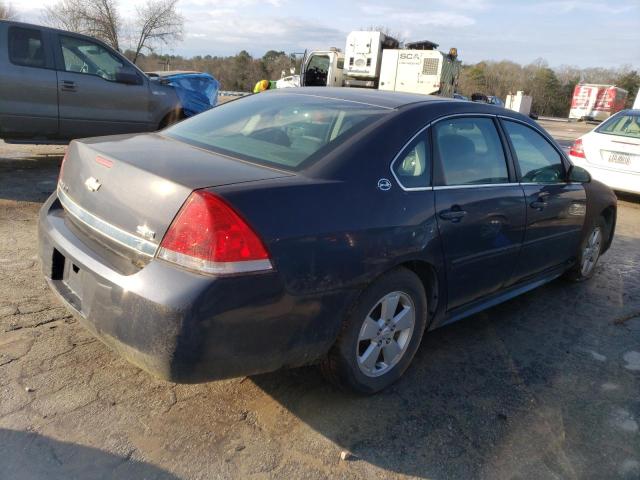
[596, 102]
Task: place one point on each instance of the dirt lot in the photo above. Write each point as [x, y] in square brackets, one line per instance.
[544, 386]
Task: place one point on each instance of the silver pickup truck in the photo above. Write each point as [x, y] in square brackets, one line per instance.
[57, 85]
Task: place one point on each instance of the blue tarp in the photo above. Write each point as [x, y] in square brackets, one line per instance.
[197, 91]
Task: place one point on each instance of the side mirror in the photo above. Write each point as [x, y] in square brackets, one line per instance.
[579, 175]
[128, 76]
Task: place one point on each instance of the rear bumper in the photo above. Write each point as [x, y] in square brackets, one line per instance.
[182, 326]
[614, 179]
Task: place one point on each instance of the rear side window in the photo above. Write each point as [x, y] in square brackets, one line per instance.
[279, 129]
[539, 162]
[412, 168]
[26, 47]
[470, 152]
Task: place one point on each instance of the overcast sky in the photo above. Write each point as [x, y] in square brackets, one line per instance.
[585, 33]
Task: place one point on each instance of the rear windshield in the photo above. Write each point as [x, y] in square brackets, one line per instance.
[276, 129]
[627, 125]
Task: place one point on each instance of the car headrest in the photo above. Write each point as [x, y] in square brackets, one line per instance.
[453, 145]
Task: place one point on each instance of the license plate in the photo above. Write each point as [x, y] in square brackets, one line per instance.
[619, 158]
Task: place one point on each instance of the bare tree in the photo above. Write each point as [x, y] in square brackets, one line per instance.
[98, 18]
[6, 11]
[158, 23]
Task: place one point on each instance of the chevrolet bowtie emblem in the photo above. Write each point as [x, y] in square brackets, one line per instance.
[92, 184]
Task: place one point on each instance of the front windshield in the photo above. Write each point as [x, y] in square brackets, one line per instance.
[627, 125]
[282, 130]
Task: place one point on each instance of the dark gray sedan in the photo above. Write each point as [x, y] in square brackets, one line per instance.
[313, 225]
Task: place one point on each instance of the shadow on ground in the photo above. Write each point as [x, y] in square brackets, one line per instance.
[29, 178]
[28, 455]
[523, 390]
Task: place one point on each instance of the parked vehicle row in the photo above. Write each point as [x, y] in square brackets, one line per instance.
[313, 225]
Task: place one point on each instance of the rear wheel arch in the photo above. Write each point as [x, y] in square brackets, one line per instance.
[340, 365]
[429, 278]
[609, 215]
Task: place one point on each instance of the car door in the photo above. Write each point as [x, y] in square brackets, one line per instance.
[556, 208]
[92, 100]
[28, 92]
[480, 209]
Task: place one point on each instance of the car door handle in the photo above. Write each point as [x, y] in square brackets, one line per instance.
[453, 215]
[539, 204]
[68, 86]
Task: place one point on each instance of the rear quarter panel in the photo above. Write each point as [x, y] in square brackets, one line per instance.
[332, 228]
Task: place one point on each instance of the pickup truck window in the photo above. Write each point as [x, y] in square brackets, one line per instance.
[83, 56]
[25, 47]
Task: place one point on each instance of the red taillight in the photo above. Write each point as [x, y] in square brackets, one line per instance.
[209, 236]
[577, 149]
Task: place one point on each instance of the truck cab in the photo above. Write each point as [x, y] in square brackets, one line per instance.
[322, 68]
[57, 85]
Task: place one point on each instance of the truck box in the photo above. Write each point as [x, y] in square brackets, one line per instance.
[419, 71]
[596, 102]
[519, 102]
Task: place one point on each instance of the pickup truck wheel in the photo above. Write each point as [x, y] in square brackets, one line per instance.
[590, 250]
[380, 336]
[171, 118]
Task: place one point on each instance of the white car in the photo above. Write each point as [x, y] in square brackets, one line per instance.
[611, 151]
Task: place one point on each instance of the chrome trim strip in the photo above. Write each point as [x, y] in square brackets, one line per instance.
[524, 184]
[126, 239]
[478, 185]
[214, 268]
[469, 114]
[417, 189]
[408, 189]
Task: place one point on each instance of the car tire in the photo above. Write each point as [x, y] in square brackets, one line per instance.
[590, 250]
[378, 340]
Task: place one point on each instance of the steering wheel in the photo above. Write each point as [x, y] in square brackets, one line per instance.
[85, 68]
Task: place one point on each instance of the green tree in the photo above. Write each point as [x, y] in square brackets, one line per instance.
[630, 81]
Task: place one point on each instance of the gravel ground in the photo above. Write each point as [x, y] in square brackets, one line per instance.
[544, 386]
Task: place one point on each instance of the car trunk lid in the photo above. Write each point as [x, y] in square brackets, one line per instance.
[613, 152]
[129, 188]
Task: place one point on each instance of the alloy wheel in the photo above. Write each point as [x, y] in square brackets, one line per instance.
[591, 251]
[385, 334]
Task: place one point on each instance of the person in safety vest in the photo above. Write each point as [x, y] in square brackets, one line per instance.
[261, 86]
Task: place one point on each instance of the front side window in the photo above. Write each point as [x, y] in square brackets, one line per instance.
[627, 125]
[317, 71]
[83, 56]
[539, 162]
[278, 129]
[26, 47]
[413, 168]
[470, 152]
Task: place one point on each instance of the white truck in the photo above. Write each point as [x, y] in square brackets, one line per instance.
[519, 102]
[373, 60]
[420, 68]
[323, 68]
[363, 57]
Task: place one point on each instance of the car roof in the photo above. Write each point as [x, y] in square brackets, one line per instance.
[368, 96]
[41, 27]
